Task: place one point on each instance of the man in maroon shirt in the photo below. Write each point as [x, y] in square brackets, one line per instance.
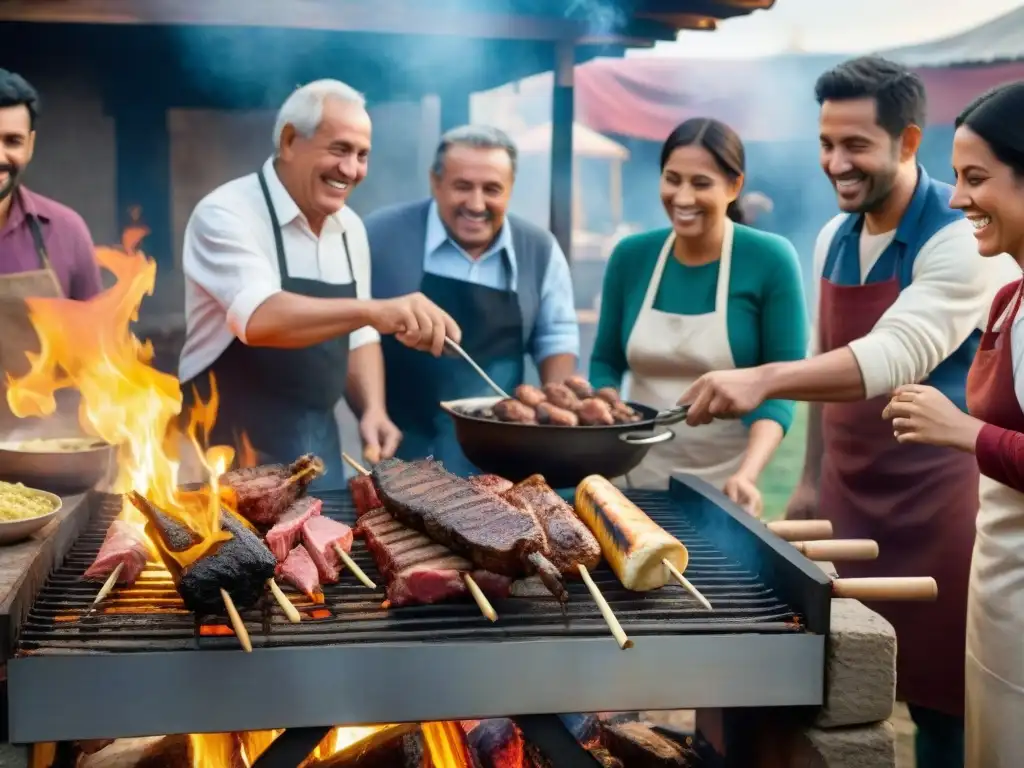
[67, 248]
[45, 248]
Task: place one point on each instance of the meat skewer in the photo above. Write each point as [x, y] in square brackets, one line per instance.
[230, 573]
[299, 569]
[572, 548]
[378, 547]
[643, 554]
[265, 492]
[125, 551]
[282, 599]
[328, 542]
[486, 529]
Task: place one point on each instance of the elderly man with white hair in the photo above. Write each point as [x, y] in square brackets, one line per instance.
[277, 296]
[504, 280]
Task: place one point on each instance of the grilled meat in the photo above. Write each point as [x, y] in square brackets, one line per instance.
[320, 535]
[580, 387]
[570, 542]
[240, 565]
[610, 395]
[561, 396]
[529, 395]
[491, 483]
[623, 414]
[552, 414]
[417, 570]
[299, 570]
[265, 492]
[287, 531]
[124, 545]
[364, 495]
[595, 412]
[513, 410]
[486, 529]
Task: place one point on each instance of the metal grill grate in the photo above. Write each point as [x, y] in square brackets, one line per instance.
[149, 615]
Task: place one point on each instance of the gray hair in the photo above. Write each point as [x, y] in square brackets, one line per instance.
[304, 109]
[478, 136]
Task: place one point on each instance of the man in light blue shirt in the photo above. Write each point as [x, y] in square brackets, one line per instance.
[505, 281]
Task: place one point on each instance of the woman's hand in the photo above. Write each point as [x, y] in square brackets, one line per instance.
[743, 491]
[923, 415]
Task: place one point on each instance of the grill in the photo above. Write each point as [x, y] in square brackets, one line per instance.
[158, 670]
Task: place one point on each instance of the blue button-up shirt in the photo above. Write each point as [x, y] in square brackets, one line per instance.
[556, 331]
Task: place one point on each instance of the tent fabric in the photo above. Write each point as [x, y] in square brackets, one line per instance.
[999, 40]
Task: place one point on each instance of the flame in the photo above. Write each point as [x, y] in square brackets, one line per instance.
[246, 453]
[89, 346]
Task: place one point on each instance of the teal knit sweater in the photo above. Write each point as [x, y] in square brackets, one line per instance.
[767, 319]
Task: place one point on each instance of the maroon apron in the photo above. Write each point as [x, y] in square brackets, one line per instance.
[918, 502]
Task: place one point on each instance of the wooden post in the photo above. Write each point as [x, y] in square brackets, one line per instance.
[562, 109]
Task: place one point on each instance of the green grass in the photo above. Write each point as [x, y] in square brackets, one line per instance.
[781, 475]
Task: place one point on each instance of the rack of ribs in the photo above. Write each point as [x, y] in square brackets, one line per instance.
[486, 529]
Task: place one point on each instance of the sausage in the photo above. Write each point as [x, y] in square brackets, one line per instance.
[529, 394]
[559, 417]
[610, 395]
[623, 414]
[561, 396]
[513, 410]
[595, 412]
[632, 543]
[580, 387]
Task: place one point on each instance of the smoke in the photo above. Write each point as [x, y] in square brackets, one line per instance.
[601, 17]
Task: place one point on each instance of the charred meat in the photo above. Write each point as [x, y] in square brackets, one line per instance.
[486, 529]
[552, 414]
[240, 565]
[264, 493]
[491, 483]
[570, 542]
[124, 545]
[513, 410]
[287, 531]
[417, 570]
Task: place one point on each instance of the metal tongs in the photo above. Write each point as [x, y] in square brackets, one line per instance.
[672, 415]
[483, 374]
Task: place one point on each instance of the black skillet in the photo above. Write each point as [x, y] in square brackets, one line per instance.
[564, 455]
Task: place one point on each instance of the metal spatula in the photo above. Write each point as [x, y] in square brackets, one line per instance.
[483, 374]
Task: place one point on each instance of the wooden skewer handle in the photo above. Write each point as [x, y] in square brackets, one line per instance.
[893, 588]
[838, 550]
[801, 530]
[480, 598]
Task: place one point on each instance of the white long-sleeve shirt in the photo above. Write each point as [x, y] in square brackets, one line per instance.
[950, 295]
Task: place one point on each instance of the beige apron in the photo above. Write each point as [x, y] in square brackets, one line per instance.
[17, 335]
[666, 354]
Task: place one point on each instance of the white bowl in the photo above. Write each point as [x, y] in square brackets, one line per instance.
[13, 531]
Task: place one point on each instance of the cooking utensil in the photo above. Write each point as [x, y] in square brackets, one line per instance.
[564, 455]
[64, 472]
[482, 373]
[13, 531]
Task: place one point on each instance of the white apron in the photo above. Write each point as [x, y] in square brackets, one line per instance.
[995, 632]
[667, 353]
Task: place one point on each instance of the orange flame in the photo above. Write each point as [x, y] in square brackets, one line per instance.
[89, 346]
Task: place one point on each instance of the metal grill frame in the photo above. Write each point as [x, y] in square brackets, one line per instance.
[69, 696]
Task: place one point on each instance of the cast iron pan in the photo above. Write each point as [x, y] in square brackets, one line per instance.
[564, 455]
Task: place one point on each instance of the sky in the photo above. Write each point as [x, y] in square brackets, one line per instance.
[836, 26]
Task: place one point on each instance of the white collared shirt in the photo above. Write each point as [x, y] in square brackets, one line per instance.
[230, 263]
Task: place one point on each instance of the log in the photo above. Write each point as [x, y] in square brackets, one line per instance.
[637, 746]
[397, 746]
[496, 743]
[148, 752]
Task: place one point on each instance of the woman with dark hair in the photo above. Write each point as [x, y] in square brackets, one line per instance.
[704, 294]
[988, 158]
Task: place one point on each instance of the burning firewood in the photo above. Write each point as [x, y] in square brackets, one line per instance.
[396, 746]
[225, 575]
[148, 752]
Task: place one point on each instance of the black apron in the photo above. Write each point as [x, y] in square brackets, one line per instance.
[492, 334]
[283, 399]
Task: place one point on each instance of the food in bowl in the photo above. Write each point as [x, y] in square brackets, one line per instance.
[55, 445]
[574, 403]
[18, 502]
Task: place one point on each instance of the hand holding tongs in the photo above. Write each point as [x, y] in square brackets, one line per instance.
[483, 374]
[672, 415]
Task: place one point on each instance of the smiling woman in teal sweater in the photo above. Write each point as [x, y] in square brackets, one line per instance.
[704, 294]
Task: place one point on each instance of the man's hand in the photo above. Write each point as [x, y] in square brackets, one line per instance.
[380, 436]
[923, 415]
[416, 322]
[803, 504]
[744, 492]
[724, 395]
